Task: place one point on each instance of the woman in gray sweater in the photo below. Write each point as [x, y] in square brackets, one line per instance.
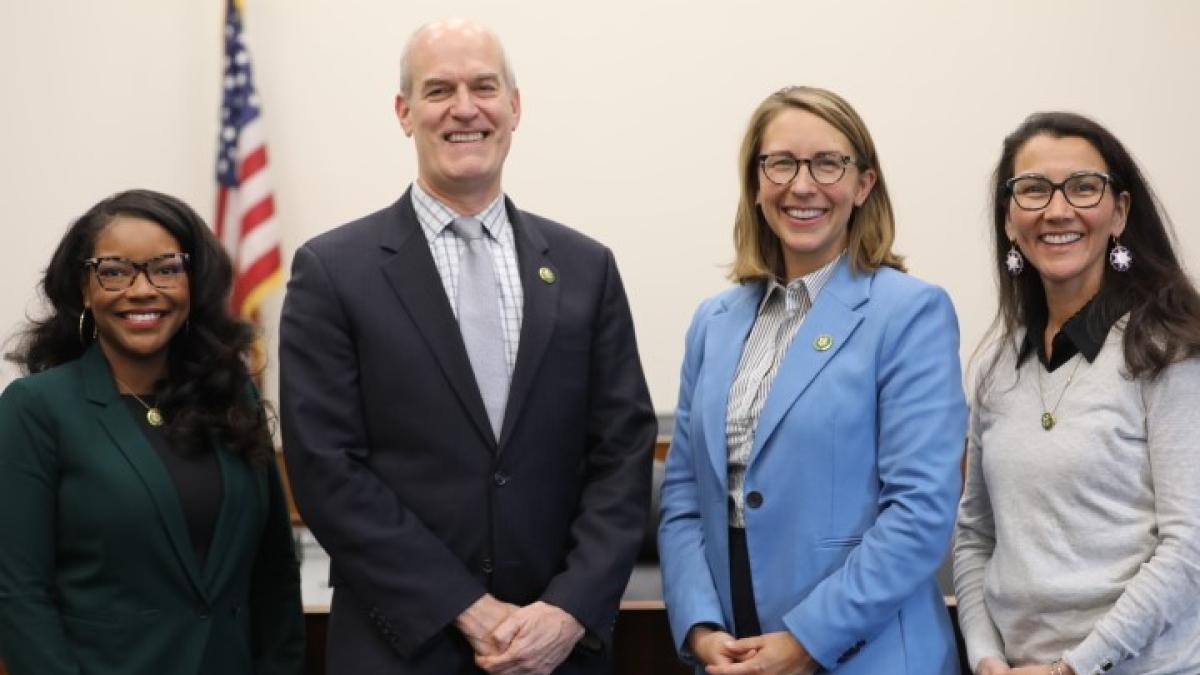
[1077, 548]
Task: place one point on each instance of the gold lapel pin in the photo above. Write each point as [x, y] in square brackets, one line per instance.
[547, 275]
[823, 342]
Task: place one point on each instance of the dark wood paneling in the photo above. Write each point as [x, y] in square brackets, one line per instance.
[641, 643]
[315, 626]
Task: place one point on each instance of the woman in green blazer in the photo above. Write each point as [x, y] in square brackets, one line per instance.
[143, 528]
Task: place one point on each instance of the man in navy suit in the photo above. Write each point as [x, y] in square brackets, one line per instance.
[479, 517]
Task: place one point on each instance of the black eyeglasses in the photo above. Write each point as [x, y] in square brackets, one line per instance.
[1082, 190]
[825, 168]
[164, 271]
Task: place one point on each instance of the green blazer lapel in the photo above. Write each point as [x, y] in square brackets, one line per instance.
[825, 331]
[123, 430]
[234, 516]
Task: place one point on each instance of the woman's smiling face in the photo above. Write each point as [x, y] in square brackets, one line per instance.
[1066, 244]
[811, 219]
[136, 324]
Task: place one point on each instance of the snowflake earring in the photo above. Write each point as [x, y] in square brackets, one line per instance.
[1014, 262]
[1120, 257]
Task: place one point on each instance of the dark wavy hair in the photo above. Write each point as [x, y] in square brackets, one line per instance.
[206, 392]
[1163, 306]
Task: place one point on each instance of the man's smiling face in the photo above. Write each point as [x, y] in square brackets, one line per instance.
[461, 111]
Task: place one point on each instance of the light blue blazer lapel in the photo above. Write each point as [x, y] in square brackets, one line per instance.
[723, 343]
[834, 314]
[123, 430]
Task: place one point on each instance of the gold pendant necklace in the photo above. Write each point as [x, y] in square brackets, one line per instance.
[154, 416]
[1048, 418]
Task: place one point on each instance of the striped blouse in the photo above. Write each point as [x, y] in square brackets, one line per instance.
[780, 315]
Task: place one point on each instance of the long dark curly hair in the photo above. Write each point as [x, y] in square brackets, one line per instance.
[206, 392]
[1163, 305]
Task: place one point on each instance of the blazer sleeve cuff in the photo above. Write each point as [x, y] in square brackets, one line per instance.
[827, 644]
[684, 650]
[595, 620]
[407, 637]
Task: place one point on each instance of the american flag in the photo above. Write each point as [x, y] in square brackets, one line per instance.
[245, 221]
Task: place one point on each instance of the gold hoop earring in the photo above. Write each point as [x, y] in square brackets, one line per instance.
[82, 318]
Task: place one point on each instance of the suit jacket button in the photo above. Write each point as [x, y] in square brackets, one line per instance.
[486, 565]
[500, 479]
[754, 499]
[203, 611]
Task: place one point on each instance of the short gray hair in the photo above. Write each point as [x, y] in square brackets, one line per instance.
[406, 83]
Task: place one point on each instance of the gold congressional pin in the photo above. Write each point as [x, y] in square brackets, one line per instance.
[547, 275]
[823, 342]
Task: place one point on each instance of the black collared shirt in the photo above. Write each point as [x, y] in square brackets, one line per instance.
[1083, 333]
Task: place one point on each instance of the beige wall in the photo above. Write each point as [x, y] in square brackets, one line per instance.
[632, 113]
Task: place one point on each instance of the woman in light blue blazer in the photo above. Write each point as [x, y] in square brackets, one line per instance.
[813, 476]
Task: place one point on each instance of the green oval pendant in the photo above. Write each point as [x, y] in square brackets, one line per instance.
[155, 417]
[1048, 421]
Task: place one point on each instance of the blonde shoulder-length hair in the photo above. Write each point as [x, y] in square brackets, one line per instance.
[872, 227]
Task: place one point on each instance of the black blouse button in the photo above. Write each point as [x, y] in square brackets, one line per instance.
[754, 499]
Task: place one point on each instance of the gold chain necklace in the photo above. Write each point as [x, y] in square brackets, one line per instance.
[154, 416]
[1048, 418]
